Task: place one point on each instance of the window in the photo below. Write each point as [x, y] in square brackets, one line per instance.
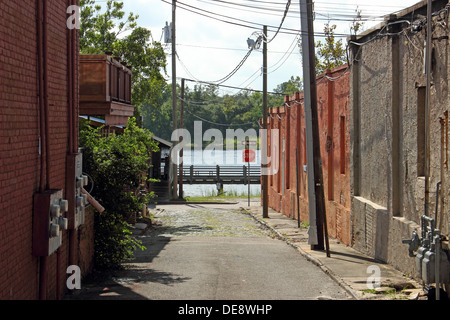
[342, 144]
[305, 161]
[421, 135]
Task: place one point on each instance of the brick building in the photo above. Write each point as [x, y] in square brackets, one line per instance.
[389, 117]
[289, 119]
[40, 233]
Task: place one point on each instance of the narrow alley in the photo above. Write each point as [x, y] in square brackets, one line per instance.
[213, 252]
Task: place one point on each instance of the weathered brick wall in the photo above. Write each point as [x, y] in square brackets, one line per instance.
[333, 111]
[20, 163]
[18, 148]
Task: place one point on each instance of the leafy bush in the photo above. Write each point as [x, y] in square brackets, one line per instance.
[118, 165]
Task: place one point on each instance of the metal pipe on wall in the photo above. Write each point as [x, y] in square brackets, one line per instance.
[40, 72]
[41, 30]
[45, 81]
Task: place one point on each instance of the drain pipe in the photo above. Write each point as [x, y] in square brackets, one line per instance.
[437, 262]
[41, 27]
[72, 128]
[41, 93]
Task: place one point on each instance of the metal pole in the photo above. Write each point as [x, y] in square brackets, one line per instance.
[248, 184]
[174, 98]
[437, 261]
[265, 115]
[315, 180]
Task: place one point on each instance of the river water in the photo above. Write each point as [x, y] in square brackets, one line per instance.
[218, 157]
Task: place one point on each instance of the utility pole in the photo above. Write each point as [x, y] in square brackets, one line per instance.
[428, 57]
[317, 217]
[265, 143]
[181, 138]
[174, 100]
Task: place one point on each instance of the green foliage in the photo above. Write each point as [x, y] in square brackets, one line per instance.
[357, 23]
[109, 30]
[118, 165]
[331, 53]
[203, 103]
[291, 86]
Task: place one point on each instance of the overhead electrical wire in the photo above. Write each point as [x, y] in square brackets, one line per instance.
[219, 124]
[224, 79]
[282, 21]
[228, 76]
[221, 48]
[287, 54]
[231, 87]
[280, 28]
[241, 22]
[340, 13]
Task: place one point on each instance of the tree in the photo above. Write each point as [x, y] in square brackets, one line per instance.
[204, 103]
[291, 86]
[357, 23]
[118, 165]
[331, 53]
[109, 30]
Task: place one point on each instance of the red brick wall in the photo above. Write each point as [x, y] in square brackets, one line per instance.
[20, 163]
[18, 149]
[333, 100]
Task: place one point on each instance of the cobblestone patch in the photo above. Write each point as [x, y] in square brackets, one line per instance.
[206, 222]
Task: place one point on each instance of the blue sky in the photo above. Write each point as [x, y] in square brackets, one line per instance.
[210, 49]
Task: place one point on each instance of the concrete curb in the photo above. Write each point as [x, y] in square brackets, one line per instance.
[307, 256]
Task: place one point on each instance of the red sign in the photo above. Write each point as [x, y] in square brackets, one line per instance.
[248, 155]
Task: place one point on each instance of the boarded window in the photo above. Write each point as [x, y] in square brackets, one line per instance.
[342, 144]
[421, 136]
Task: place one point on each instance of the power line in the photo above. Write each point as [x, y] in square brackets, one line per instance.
[224, 79]
[222, 48]
[282, 21]
[231, 87]
[228, 76]
[215, 123]
[241, 22]
[294, 42]
[342, 13]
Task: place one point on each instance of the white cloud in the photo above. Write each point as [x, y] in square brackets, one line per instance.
[197, 35]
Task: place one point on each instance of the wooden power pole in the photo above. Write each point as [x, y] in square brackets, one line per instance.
[317, 217]
[181, 196]
[174, 100]
[265, 135]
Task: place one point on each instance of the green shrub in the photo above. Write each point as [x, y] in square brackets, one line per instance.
[118, 165]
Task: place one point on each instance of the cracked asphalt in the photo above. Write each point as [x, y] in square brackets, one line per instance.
[212, 252]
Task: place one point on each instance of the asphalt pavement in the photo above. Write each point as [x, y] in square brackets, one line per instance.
[213, 252]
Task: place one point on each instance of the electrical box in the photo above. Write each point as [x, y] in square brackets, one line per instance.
[419, 258]
[75, 183]
[48, 221]
[429, 264]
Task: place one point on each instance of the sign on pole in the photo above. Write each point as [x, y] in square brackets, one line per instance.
[248, 156]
